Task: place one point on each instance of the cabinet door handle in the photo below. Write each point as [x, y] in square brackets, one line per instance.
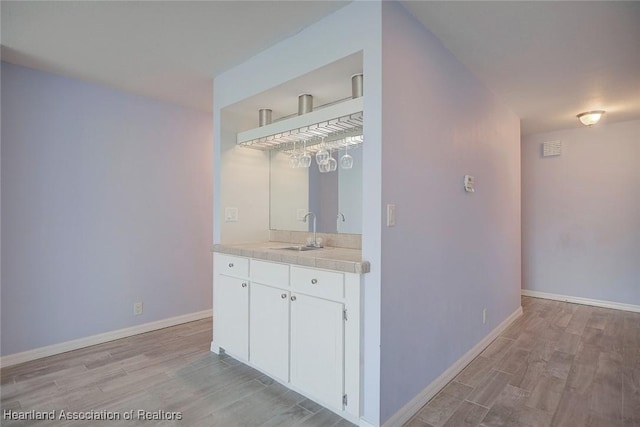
[230, 265]
[283, 296]
[293, 298]
[244, 284]
[314, 281]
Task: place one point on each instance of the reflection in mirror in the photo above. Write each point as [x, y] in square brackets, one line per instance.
[289, 198]
[335, 197]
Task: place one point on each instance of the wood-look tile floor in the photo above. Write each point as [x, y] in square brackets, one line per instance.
[560, 364]
[169, 370]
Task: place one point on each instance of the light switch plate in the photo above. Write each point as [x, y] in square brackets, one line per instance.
[391, 215]
[231, 214]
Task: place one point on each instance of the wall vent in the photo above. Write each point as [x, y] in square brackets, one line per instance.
[551, 148]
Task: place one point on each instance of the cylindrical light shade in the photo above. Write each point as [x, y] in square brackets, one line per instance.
[264, 117]
[357, 85]
[305, 104]
[590, 118]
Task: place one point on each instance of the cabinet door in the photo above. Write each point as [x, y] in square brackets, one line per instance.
[269, 326]
[317, 348]
[231, 315]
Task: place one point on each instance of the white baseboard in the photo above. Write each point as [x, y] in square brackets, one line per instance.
[50, 350]
[365, 423]
[584, 301]
[410, 409]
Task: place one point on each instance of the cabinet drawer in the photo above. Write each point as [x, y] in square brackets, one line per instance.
[231, 265]
[320, 283]
[269, 273]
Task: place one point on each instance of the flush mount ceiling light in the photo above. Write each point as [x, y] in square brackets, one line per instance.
[590, 118]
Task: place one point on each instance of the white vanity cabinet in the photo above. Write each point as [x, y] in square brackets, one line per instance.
[317, 332]
[317, 348]
[269, 330]
[231, 326]
[301, 326]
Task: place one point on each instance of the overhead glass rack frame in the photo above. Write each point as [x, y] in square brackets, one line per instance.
[333, 125]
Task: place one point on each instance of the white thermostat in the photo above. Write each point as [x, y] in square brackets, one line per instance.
[469, 181]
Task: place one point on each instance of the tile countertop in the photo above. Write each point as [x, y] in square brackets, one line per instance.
[329, 258]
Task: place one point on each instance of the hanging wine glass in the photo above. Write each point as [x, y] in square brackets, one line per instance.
[333, 164]
[294, 161]
[322, 156]
[305, 159]
[346, 161]
[323, 167]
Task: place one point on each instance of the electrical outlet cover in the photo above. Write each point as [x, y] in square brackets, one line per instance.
[137, 308]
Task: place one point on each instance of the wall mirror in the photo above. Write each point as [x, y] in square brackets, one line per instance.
[335, 197]
[296, 191]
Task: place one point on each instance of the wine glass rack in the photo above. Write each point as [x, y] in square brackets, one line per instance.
[336, 126]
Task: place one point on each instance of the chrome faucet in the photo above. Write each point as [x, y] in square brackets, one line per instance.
[315, 243]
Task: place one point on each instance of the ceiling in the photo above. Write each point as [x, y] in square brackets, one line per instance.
[167, 50]
[546, 60]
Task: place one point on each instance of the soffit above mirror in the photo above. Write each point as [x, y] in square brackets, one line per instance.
[336, 126]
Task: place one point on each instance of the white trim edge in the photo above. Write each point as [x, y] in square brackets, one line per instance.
[580, 300]
[413, 406]
[50, 350]
[365, 423]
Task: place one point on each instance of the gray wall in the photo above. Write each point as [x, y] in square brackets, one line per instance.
[106, 200]
[451, 254]
[581, 213]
